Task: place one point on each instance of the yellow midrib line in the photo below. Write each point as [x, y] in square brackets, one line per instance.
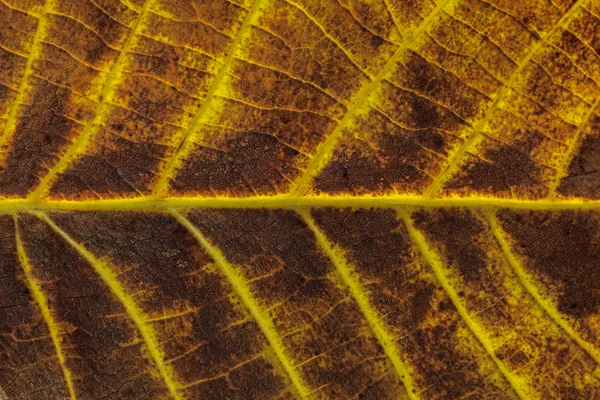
[326, 148]
[525, 281]
[561, 170]
[137, 317]
[448, 170]
[34, 54]
[40, 298]
[242, 290]
[436, 265]
[186, 144]
[95, 123]
[286, 202]
[358, 293]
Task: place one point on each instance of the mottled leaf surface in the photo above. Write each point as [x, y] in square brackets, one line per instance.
[315, 199]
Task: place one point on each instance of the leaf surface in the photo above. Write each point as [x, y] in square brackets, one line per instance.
[269, 199]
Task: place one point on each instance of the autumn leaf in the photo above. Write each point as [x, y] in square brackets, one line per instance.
[315, 199]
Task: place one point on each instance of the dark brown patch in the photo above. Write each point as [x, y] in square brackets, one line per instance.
[103, 349]
[398, 161]
[81, 42]
[583, 179]
[438, 86]
[563, 247]
[250, 163]
[40, 134]
[397, 147]
[424, 113]
[377, 41]
[358, 169]
[506, 169]
[123, 170]
[25, 343]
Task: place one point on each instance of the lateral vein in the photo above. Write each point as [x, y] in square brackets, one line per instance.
[526, 281]
[93, 126]
[360, 296]
[135, 314]
[241, 289]
[185, 145]
[325, 149]
[437, 266]
[42, 302]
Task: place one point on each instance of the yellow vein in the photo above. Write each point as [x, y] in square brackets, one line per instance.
[563, 165]
[529, 286]
[136, 315]
[186, 143]
[357, 291]
[40, 298]
[34, 55]
[437, 266]
[242, 290]
[95, 123]
[286, 202]
[454, 162]
[325, 150]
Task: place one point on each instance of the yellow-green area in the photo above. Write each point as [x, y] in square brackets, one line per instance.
[242, 290]
[42, 302]
[110, 279]
[360, 296]
[518, 384]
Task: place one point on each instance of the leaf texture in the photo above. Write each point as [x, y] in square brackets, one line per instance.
[314, 199]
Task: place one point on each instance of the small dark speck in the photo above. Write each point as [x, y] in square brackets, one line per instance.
[376, 41]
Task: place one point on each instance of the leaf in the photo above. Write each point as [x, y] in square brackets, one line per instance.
[263, 199]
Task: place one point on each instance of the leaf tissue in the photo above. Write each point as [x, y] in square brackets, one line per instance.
[299, 199]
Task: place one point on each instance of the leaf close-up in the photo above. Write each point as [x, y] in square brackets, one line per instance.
[299, 199]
